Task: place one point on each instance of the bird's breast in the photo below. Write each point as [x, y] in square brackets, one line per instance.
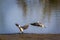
[21, 29]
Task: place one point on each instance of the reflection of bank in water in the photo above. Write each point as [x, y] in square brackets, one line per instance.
[24, 6]
[48, 6]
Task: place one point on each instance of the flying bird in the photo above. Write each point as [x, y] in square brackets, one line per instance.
[38, 24]
[22, 28]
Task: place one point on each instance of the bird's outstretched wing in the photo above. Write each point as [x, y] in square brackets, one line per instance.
[17, 25]
[25, 26]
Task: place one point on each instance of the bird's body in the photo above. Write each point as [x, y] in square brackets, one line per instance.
[35, 24]
[38, 24]
[22, 28]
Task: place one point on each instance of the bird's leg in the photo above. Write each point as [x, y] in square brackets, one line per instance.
[22, 32]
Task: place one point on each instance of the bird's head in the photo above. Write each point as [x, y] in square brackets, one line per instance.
[38, 21]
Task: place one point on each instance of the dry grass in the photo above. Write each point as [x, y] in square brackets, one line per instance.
[30, 37]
